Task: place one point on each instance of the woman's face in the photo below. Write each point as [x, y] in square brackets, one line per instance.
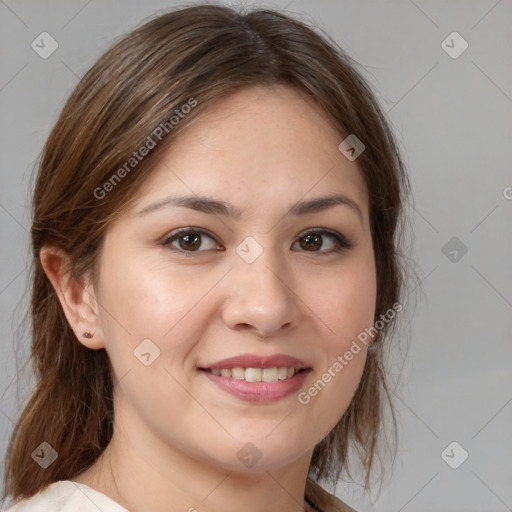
[215, 262]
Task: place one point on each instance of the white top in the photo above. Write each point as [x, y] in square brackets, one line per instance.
[67, 496]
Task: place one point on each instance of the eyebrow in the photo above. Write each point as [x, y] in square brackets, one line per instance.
[216, 207]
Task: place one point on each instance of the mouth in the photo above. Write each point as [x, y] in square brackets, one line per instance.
[273, 374]
[254, 378]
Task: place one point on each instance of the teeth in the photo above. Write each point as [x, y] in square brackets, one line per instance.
[238, 373]
[269, 375]
[253, 374]
[257, 374]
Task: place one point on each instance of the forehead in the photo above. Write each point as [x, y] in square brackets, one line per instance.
[258, 145]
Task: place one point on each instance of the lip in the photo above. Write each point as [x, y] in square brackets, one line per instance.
[260, 392]
[258, 361]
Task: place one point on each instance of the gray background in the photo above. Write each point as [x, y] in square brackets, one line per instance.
[453, 120]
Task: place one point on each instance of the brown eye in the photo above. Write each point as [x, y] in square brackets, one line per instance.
[314, 240]
[190, 240]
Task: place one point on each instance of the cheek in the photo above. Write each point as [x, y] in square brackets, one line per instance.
[345, 300]
[150, 318]
[351, 314]
[136, 303]
[146, 296]
[143, 299]
[346, 306]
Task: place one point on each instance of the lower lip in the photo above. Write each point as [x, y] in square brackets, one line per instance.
[259, 391]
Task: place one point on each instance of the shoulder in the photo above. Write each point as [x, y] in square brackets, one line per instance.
[67, 496]
[324, 501]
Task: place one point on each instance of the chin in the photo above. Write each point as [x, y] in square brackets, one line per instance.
[251, 454]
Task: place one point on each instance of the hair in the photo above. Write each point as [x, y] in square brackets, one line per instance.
[198, 55]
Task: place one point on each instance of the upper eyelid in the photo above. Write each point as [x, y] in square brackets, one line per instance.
[183, 231]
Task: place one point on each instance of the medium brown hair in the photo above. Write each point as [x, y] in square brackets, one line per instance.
[204, 53]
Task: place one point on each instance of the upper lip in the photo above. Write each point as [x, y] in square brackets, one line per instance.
[258, 361]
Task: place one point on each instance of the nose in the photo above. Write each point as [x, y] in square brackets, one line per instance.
[261, 298]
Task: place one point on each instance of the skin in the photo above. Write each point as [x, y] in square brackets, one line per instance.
[176, 434]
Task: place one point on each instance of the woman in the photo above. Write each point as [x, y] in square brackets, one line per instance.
[215, 273]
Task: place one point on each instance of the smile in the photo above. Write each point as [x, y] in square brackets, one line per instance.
[256, 377]
[256, 374]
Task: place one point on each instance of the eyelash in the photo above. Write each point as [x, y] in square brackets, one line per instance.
[341, 243]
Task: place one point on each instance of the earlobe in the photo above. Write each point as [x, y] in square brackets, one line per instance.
[76, 295]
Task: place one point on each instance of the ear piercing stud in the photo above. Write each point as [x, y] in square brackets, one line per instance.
[87, 335]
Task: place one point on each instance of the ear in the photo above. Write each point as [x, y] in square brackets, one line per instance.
[76, 295]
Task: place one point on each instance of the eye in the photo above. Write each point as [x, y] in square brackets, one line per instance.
[313, 239]
[189, 240]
